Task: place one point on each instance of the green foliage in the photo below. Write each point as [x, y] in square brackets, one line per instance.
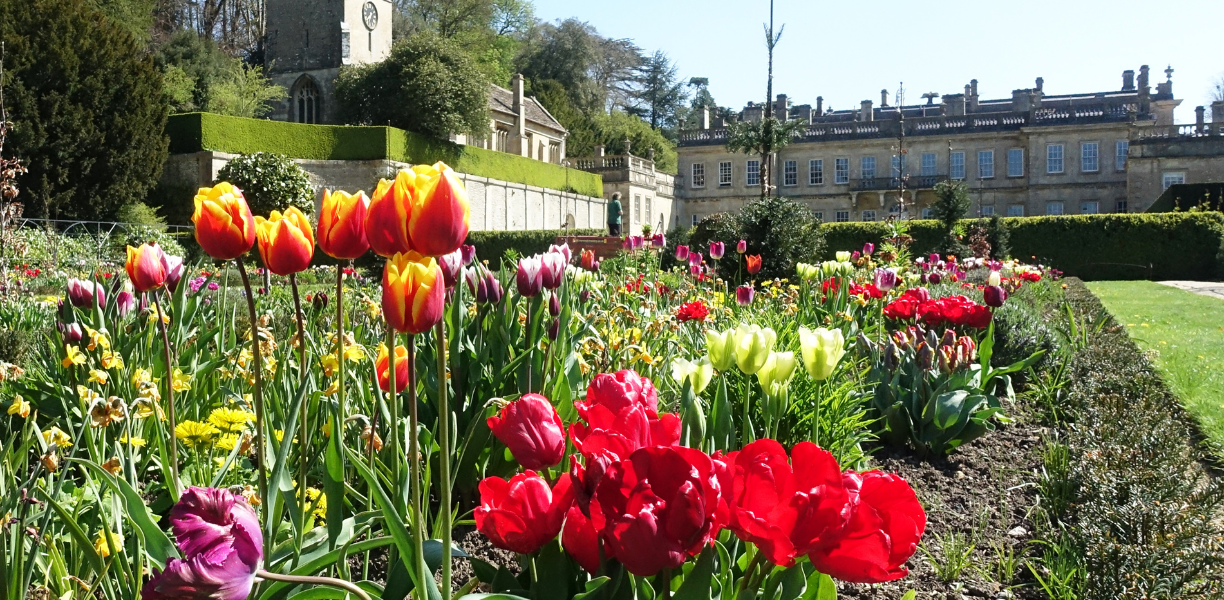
[491, 246]
[761, 137]
[136, 16]
[999, 238]
[613, 129]
[950, 207]
[190, 64]
[661, 95]
[269, 182]
[243, 92]
[201, 131]
[87, 108]
[428, 85]
[22, 323]
[784, 232]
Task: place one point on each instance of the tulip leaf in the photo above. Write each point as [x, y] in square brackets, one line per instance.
[553, 573]
[592, 588]
[820, 587]
[794, 582]
[433, 553]
[910, 595]
[697, 585]
[332, 593]
[157, 544]
[492, 597]
[333, 482]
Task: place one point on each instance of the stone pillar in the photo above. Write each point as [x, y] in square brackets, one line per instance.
[519, 139]
[1217, 112]
[819, 105]
[866, 114]
[1128, 80]
[1199, 122]
[705, 120]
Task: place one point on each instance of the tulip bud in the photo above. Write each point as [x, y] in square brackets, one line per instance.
[948, 339]
[174, 272]
[891, 356]
[81, 293]
[868, 248]
[682, 253]
[721, 348]
[587, 259]
[885, 279]
[822, 349]
[529, 276]
[563, 250]
[994, 296]
[531, 428]
[695, 270]
[554, 305]
[552, 270]
[864, 345]
[717, 249]
[413, 293]
[695, 258]
[554, 329]
[933, 258]
[494, 288]
[451, 265]
[585, 296]
[744, 295]
[741, 247]
[932, 339]
[320, 301]
[926, 356]
[469, 254]
[71, 331]
[401, 368]
[125, 301]
[842, 255]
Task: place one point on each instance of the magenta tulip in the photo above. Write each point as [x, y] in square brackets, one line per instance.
[563, 250]
[717, 249]
[219, 535]
[742, 247]
[744, 295]
[658, 241]
[885, 279]
[81, 293]
[552, 269]
[529, 276]
[452, 266]
[682, 253]
[868, 248]
[695, 258]
[125, 301]
[469, 254]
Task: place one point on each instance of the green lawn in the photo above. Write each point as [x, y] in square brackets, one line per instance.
[1184, 333]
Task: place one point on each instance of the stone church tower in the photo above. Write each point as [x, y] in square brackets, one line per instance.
[310, 40]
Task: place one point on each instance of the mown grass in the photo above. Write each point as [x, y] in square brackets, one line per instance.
[1183, 332]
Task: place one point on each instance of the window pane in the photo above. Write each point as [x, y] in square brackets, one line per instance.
[1173, 179]
[928, 164]
[841, 171]
[724, 173]
[790, 173]
[926, 214]
[986, 164]
[753, 171]
[957, 170]
[819, 217]
[869, 215]
[842, 216]
[698, 175]
[1054, 158]
[1121, 150]
[1090, 208]
[1120, 206]
[1054, 208]
[815, 172]
[1015, 162]
[987, 210]
[1089, 157]
[867, 167]
[1015, 210]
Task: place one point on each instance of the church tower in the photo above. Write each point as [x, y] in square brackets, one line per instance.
[310, 40]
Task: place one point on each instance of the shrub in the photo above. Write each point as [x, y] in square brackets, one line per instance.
[950, 207]
[491, 246]
[87, 108]
[270, 182]
[782, 231]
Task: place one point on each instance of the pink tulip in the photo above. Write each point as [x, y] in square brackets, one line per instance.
[452, 266]
[219, 535]
[695, 259]
[81, 293]
[529, 276]
[682, 253]
[742, 247]
[552, 270]
[744, 295]
[563, 250]
[717, 249]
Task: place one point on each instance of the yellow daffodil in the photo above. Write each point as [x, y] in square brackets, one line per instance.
[103, 543]
[181, 382]
[111, 360]
[19, 407]
[57, 437]
[153, 315]
[98, 376]
[230, 419]
[332, 389]
[140, 376]
[194, 434]
[73, 356]
[87, 395]
[330, 364]
[97, 339]
[113, 466]
[137, 442]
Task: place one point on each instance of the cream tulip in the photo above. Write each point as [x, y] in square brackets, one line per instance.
[753, 344]
[822, 349]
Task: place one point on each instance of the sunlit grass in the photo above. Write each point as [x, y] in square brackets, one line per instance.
[1183, 332]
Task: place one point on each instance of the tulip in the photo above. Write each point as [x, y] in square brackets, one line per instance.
[125, 301]
[868, 248]
[627, 243]
[842, 255]
[620, 415]
[451, 265]
[695, 270]
[438, 220]
[72, 332]
[587, 259]
[697, 372]
[469, 254]
[493, 288]
[554, 329]
[286, 242]
[659, 507]
[580, 539]
[563, 250]
[822, 349]
[221, 541]
[807, 272]
[717, 249]
[885, 279]
[778, 368]
[401, 368]
[387, 216]
[618, 390]
[754, 263]
[224, 226]
[532, 430]
[935, 278]
[682, 253]
[81, 293]
[320, 301]
[995, 278]
[523, 514]
[342, 222]
[744, 294]
[413, 293]
[741, 246]
[529, 276]
[886, 523]
[753, 346]
[552, 270]
[147, 266]
[554, 305]
[788, 509]
[695, 259]
[174, 272]
[994, 295]
[637, 241]
[658, 240]
[721, 347]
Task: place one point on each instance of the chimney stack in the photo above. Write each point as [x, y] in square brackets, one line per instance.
[1144, 86]
[1040, 83]
[520, 116]
[1128, 80]
[865, 113]
[883, 98]
[780, 108]
[705, 118]
[1217, 112]
[819, 105]
[1199, 121]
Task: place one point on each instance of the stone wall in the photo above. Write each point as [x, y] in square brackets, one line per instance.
[496, 205]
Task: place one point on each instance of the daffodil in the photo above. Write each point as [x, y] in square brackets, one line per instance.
[87, 395]
[316, 499]
[330, 364]
[137, 442]
[104, 541]
[97, 339]
[140, 376]
[98, 376]
[113, 466]
[111, 360]
[332, 389]
[194, 434]
[73, 356]
[56, 436]
[181, 382]
[19, 407]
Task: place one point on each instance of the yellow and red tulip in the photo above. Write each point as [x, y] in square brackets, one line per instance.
[224, 226]
[146, 266]
[342, 232]
[440, 211]
[401, 368]
[286, 242]
[414, 292]
[386, 222]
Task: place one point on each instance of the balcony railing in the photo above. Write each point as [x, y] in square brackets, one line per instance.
[912, 182]
[1191, 130]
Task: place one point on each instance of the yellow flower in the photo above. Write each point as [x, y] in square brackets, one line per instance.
[330, 364]
[195, 434]
[56, 436]
[140, 376]
[19, 407]
[316, 499]
[97, 339]
[229, 440]
[113, 466]
[103, 543]
[230, 419]
[144, 408]
[111, 360]
[87, 395]
[153, 315]
[181, 382]
[73, 357]
[353, 353]
[98, 376]
[137, 442]
[104, 412]
[332, 389]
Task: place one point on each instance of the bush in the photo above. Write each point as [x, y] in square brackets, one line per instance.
[491, 246]
[950, 207]
[782, 231]
[270, 182]
[87, 107]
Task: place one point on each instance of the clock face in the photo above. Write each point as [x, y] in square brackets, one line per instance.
[369, 15]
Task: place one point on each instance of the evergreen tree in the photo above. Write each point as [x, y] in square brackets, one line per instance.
[87, 106]
[660, 96]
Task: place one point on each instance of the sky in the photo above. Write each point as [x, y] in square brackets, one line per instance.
[849, 51]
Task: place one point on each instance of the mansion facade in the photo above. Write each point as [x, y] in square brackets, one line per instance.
[1031, 154]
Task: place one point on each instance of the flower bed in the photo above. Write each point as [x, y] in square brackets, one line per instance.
[607, 429]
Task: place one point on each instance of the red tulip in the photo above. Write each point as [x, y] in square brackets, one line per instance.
[786, 509]
[521, 515]
[531, 428]
[620, 415]
[754, 263]
[224, 226]
[885, 527]
[386, 222]
[147, 267]
[401, 368]
[587, 259]
[440, 211]
[658, 508]
[994, 295]
[414, 293]
[286, 242]
[580, 540]
[342, 224]
[621, 389]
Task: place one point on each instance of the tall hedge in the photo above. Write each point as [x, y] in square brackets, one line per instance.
[1091, 247]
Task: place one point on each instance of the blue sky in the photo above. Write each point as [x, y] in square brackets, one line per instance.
[849, 51]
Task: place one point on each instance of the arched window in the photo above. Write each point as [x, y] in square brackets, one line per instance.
[307, 101]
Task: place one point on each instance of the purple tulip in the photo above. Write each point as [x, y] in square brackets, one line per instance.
[742, 247]
[717, 249]
[472, 277]
[854, 256]
[658, 241]
[219, 535]
[885, 279]
[451, 265]
[695, 259]
[174, 272]
[554, 329]
[469, 254]
[935, 278]
[627, 243]
[994, 295]
[585, 296]
[554, 305]
[868, 248]
[125, 301]
[72, 332]
[933, 258]
[81, 293]
[637, 242]
[563, 250]
[144, 302]
[682, 253]
[552, 271]
[530, 276]
[744, 295]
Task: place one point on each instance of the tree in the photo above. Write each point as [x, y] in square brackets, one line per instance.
[563, 53]
[660, 96]
[427, 85]
[190, 64]
[243, 92]
[136, 16]
[87, 108]
[613, 129]
[951, 205]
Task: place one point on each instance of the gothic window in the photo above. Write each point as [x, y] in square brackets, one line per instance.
[307, 101]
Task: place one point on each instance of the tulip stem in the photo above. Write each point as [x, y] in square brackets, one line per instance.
[444, 457]
[414, 470]
[301, 335]
[330, 581]
[340, 338]
[174, 474]
[393, 404]
[257, 365]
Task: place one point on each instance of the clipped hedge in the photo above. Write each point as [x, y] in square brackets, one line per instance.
[1091, 247]
[491, 246]
[194, 132]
